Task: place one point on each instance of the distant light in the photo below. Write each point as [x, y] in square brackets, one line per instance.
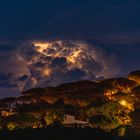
[47, 72]
[123, 103]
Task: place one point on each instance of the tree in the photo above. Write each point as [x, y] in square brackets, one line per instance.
[54, 115]
[102, 122]
[12, 126]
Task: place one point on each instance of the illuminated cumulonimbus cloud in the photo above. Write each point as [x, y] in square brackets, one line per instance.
[55, 62]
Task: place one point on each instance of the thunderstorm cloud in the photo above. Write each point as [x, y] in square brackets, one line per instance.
[54, 62]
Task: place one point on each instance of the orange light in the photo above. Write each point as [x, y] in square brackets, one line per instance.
[40, 47]
[123, 103]
[47, 72]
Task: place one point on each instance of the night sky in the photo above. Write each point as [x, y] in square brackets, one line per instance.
[112, 26]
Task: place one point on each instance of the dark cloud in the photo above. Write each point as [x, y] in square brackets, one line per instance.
[28, 51]
[6, 84]
[23, 78]
[75, 75]
[59, 61]
[4, 81]
[39, 64]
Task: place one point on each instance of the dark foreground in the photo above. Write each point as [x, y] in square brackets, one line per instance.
[61, 134]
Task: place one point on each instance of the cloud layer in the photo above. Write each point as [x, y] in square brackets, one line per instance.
[51, 63]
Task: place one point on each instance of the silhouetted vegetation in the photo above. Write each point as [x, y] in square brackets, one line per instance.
[111, 105]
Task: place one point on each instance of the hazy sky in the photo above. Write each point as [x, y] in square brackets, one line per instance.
[113, 25]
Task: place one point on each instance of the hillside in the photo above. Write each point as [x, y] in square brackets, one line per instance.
[109, 105]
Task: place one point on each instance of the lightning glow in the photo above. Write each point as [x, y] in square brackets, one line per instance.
[41, 46]
[123, 103]
[55, 62]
